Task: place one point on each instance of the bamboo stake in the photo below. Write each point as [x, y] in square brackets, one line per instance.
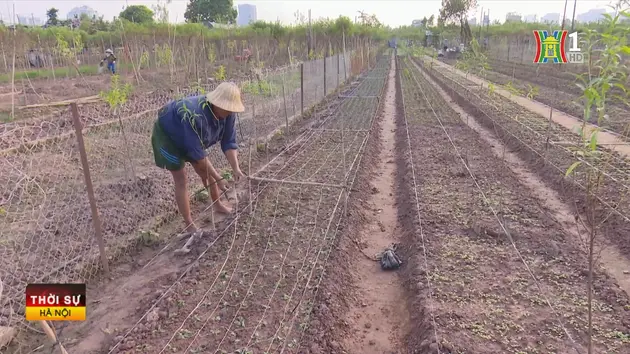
[302, 89]
[284, 98]
[90, 189]
[13, 71]
[51, 334]
[249, 172]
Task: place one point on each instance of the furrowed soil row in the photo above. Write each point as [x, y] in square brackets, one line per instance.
[547, 148]
[47, 212]
[255, 289]
[488, 265]
[557, 90]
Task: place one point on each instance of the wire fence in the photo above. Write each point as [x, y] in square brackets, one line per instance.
[258, 295]
[47, 227]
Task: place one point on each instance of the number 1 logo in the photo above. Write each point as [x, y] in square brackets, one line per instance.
[553, 47]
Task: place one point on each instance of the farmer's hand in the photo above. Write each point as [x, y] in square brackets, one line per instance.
[238, 175]
[223, 185]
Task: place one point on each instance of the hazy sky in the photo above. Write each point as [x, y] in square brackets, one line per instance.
[391, 12]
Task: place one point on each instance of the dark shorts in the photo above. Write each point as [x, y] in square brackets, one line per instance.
[165, 153]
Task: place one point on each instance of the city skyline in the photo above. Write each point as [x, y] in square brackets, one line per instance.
[284, 11]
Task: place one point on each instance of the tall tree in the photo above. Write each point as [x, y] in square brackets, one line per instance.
[137, 14]
[219, 11]
[51, 14]
[457, 11]
[161, 11]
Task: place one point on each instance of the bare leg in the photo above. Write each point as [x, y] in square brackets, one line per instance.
[215, 196]
[183, 199]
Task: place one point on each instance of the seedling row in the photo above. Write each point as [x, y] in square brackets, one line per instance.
[493, 273]
[254, 289]
[551, 150]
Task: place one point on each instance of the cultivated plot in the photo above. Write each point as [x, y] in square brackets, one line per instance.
[494, 273]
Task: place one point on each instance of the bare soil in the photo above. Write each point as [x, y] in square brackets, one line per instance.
[368, 313]
[253, 282]
[556, 88]
[473, 283]
[527, 133]
[613, 262]
[379, 316]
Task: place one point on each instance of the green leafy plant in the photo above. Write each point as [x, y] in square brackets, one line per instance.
[491, 88]
[603, 83]
[260, 88]
[198, 88]
[532, 91]
[116, 97]
[164, 54]
[220, 74]
[473, 60]
[212, 55]
[227, 175]
[117, 94]
[512, 89]
[144, 60]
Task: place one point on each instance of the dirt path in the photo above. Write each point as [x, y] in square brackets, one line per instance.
[379, 312]
[567, 121]
[612, 260]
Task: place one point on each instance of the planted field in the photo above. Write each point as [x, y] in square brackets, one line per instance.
[253, 286]
[47, 231]
[494, 272]
[550, 150]
[555, 88]
[266, 96]
[384, 164]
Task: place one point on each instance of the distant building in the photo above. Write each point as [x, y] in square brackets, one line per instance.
[531, 18]
[551, 18]
[416, 23]
[513, 17]
[29, 20]
[78, 11]
[246, 14]
[592, 15]
[486, 20]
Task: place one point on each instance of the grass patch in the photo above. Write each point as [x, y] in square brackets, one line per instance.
[63, 71]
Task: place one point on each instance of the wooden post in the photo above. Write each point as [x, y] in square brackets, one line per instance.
[284, 99]
[325, 89]
[508, 52]
[249, 173]
[338, 57]
[549, 128]
[345, 71]
[98, 233]
[302, 89]
[362, 63]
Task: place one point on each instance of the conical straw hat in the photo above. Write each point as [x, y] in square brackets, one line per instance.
[227, 96]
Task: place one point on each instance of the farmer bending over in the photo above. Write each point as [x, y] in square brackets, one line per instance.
[185, 129]
[111, 61]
